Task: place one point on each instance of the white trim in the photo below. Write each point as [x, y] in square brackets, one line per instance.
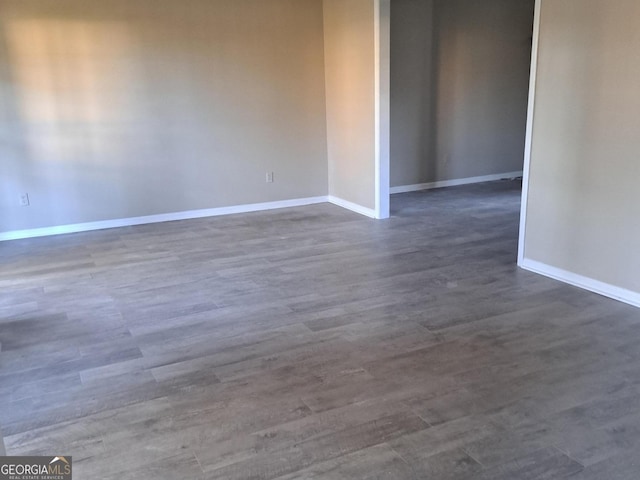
[529, 135]
[165, 217]
[453, 183]
[606, 289]
[354, 207]
[382, 40]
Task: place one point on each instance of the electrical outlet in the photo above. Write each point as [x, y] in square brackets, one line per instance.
[24, 200]
[269, 177]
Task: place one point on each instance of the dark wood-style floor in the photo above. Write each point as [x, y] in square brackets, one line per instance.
[313, 343]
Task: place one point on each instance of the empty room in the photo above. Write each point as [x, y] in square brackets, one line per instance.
[328, 239]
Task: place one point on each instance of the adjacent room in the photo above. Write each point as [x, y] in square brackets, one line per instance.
[328, 239]
[459, 91]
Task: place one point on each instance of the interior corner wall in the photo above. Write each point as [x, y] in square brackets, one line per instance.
[583, 203]
[350, 100]
[128, 108]
[459, 85]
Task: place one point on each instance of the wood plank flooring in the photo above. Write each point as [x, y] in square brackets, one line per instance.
[313, 343]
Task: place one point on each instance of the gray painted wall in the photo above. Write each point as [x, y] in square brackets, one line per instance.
[127, 108]
[583, 209]
[459, 86]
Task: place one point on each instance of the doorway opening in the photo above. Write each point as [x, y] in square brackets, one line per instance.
[459, 94]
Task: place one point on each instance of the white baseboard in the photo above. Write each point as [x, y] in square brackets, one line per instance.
[454, 183]
[165, 217]
[354, 207]
[601, 288]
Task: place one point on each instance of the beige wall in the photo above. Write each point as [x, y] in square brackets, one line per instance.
[583, 206]
[350, 90]
[136, 107]
[459, 84]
